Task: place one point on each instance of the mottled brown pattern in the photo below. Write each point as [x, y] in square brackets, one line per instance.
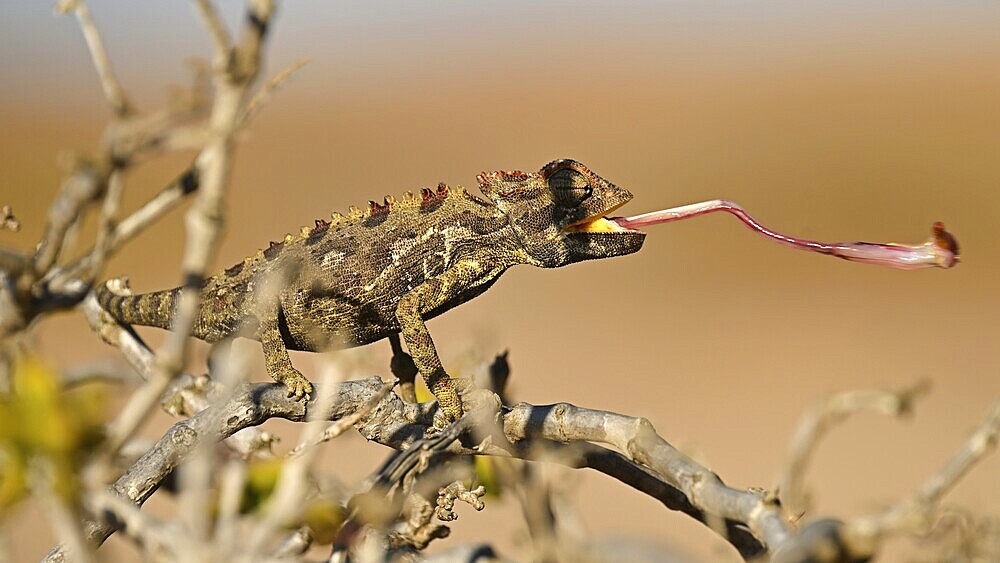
[384, 271]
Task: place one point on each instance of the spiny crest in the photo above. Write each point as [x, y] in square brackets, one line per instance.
[320, 227]
[376, 208]
[273, 248]
[430, 197]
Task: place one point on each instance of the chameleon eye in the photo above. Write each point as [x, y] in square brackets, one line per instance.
[572, 197]
[569, 187]
[567, 179]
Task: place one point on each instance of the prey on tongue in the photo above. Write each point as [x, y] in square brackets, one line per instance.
[940, 250]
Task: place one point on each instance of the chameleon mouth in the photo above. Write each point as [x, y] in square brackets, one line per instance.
[599, 224]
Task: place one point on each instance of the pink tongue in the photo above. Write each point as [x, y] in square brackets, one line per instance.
[940, 250]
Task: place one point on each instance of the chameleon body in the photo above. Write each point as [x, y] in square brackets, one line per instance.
[385, 270]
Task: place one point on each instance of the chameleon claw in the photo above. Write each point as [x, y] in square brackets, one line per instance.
[298, 386]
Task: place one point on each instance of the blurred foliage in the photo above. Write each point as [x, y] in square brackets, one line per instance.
[321, 514]
[40, 422]
[262, 478]
[324, 517]
[486, 474]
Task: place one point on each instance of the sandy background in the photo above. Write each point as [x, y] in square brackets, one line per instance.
[836, 122]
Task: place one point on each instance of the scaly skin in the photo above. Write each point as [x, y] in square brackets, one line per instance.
[388, 269]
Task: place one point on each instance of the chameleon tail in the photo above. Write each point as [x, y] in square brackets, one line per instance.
[149, 309]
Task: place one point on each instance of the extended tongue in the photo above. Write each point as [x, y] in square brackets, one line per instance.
[940, 250]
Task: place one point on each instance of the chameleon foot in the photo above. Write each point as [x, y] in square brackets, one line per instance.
[447, 392]
[298, 386]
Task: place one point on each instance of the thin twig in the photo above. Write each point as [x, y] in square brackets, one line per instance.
[290, 490]
[77, 191]
[195, 476]
[267, 91]
[818, 422]
[399, 425]
[64, 521]
[128, 228]
[221, 42]
[913, 514]
[402, 425]
[109, 83]
[13, 262]
[232, 481]
[204, 219]
[344, 424]
[144, 528]
[140, 357]
[106, 223]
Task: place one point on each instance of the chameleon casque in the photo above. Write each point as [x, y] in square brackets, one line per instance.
[383, 271]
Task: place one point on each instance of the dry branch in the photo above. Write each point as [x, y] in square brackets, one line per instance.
[400, 425]
[102, 63]
[625, 448]
[818, 422]
[205, 218]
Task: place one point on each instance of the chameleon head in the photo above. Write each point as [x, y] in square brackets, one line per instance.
[559, 212]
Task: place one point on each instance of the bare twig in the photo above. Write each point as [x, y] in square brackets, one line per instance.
[13, 262]
[458, 491]
[344, 424]
[195, 476]
[106, 223]
[63, 518]
[914, 514]
[78, 190]
[230, 495]
[112, 89]
[815, 424]
[402, 426]
[99, 372]
[140, 357]
[145, 529]
[270, 88]
[204, 219]
[295, 543]
[292, 482]
[168, 198]
[396, 424]
[639, 441]
[221, 42]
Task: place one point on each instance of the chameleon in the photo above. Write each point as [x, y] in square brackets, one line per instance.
[383, 271]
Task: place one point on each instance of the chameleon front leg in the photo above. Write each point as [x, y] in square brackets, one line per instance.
[278, 364]
[424, 298]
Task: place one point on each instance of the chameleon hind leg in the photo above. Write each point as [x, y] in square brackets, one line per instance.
[279, 365]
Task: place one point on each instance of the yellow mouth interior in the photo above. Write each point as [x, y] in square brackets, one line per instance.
[596, 225]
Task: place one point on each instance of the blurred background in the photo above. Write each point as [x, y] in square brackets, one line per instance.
[850, 120]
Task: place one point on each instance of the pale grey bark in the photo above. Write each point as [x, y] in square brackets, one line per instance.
[646, 461]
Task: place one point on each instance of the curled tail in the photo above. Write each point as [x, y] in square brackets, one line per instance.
[149, 309]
